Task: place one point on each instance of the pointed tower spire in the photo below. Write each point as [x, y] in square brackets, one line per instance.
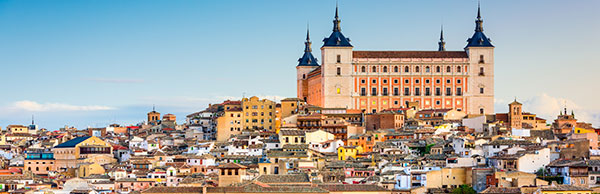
[442, 44]
[336, 21]
[478, 10]
[32, 120]
[479, 21]
[307, 44]
[153, 108]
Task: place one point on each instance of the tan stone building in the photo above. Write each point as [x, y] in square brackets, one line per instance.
[231, 173]
[68, 154]
[379, 80]
[258, 114]
[229, 123]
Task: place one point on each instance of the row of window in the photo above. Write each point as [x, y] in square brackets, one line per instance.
[262, 107]
[407, 81]
[417, 69]
[417, 92]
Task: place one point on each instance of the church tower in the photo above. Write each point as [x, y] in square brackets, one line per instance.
[153, 117]
[481, 71]
[336, 55]
[306, 64]
[515, 115]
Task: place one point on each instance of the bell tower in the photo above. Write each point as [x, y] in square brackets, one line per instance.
[515, 115]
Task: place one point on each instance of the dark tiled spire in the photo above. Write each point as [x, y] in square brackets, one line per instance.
[442, 44]
[479, 39]
[337, 38]
[307, 59]
[336, 21]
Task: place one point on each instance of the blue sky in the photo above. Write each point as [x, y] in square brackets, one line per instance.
[91, 63]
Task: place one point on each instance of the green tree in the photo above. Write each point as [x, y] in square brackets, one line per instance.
[464, 189]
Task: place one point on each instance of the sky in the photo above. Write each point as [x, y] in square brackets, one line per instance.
[93, 63]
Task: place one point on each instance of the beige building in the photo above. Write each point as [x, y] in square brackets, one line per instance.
[258, 114]
[68, 154]
[230, 123]
[17, 129]
[231, 173]
[448, 177]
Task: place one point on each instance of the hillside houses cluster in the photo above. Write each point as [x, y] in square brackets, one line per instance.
[261, 146]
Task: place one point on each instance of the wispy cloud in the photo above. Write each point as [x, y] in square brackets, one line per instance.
[115, 80]
[548, 107]
[27, 105]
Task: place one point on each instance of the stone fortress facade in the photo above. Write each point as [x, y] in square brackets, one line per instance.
[380, 80]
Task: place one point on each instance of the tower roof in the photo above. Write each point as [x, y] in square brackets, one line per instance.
[307, 58]
[515, 103]
[336, 38]
[479, 39]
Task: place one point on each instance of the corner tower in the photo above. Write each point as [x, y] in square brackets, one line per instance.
[481, 71]
[336, 55]
[306, 64]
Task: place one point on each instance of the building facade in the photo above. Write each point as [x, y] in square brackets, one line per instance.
[258, 114]
[379, 80]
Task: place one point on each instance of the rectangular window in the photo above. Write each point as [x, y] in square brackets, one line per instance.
[481, 72]
[373, 91]
[339, 58]
[481, 90]
[385, 91]
[481, 59]
[406, 91]
[427, 91]
[339, 71]
[438, 91]
[363, 91]
[448, 91]
[417, 91]
[459, 91]
[396, 92]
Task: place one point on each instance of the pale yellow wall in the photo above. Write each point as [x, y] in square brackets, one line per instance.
[318, 136]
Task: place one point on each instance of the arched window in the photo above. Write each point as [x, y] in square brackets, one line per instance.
[406, 69]
[374, 69]
[448, 69]
[303, 76]
[384, 69]
[427, 69]
[417, 69]
[363, 69]
[38, 169]
[437, 69]
[458, 69]
[47, 168]
[396, 69]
